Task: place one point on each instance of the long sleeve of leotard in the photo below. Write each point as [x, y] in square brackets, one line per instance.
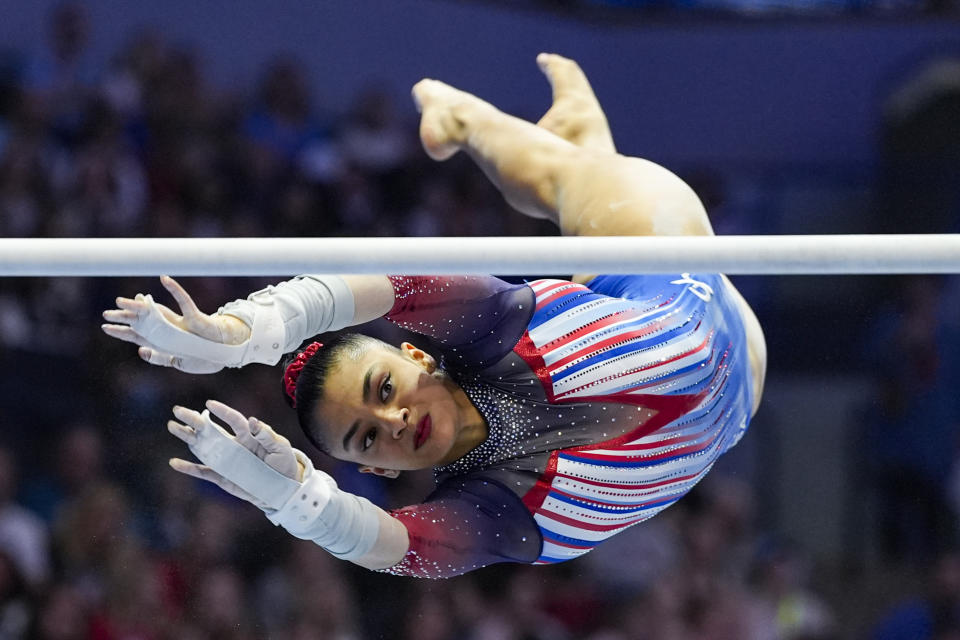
[308, 305]
[467, 523]
[476, 319]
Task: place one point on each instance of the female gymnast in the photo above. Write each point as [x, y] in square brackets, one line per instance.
[554, 413]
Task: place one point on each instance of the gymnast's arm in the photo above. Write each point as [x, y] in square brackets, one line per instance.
[260, 328]
[457, 311]
[467, 523]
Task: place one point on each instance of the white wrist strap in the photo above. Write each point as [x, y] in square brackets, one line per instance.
[265, 344]
[344, 524]
[221, 452]
[303, 307]
[267, 335]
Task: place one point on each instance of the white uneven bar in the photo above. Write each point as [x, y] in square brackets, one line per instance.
[823, 254]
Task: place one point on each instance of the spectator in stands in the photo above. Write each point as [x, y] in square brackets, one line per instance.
[62, 614]
[23, 535]
[789, 606]
[16, 608]
[907, 344]
[282, 129]
[375, 141]
[935, 615]
[79, 465]
[60, 79]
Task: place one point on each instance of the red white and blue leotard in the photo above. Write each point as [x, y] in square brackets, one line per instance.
[604, 403]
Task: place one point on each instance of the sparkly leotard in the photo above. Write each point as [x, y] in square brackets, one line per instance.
[604, 405]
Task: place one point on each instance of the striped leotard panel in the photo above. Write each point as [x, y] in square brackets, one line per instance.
[670, 344]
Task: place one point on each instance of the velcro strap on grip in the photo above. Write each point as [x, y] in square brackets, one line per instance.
[344, 524]
[301, 512]
[267, 335]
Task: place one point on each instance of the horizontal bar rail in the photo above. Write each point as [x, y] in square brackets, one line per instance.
[772, 255]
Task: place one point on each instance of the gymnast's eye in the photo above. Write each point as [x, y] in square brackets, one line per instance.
[369, 438]
[385, 388]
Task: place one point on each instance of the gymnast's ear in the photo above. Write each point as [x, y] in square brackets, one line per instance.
[419, 356]
[377, 471]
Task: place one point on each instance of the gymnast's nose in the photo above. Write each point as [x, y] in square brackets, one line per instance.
[397, 421]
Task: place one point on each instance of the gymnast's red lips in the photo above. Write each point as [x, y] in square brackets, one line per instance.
[423, 432]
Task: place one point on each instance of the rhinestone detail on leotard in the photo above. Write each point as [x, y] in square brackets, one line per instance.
[510, 426]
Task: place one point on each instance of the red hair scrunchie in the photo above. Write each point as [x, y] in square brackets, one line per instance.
[292, 373]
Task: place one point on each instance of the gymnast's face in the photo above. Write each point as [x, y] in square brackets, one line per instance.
[390, 411]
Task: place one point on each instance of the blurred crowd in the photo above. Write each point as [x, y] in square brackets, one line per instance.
[100, 540]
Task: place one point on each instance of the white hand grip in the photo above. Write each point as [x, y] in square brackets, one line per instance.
[221, 452]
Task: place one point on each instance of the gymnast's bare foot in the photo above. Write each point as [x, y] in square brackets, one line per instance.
[446, 115]
[576, 115]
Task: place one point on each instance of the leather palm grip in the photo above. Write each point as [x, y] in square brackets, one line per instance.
[221, 452]
[265, 343]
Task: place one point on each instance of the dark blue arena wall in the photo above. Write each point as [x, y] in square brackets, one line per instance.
[747, 92]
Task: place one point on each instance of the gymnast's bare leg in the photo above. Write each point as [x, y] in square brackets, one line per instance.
[575, 115]
[584, 190]
[567, 170]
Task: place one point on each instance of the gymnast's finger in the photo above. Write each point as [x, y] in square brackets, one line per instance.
[131, 311]
[200, 471]
[272, 441]
[182, 431]
[186, 364]
[236, 420]
[189, 364]
[189, 417]
[187, 306]
[200, 422]
[138, 304]
[160, 358]
[125, 316]
[123, 332]
[206, 473]
[170, 315]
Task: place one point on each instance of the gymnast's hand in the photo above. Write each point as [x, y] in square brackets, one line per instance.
[138, 319]
[266, 480]
[260, 466]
